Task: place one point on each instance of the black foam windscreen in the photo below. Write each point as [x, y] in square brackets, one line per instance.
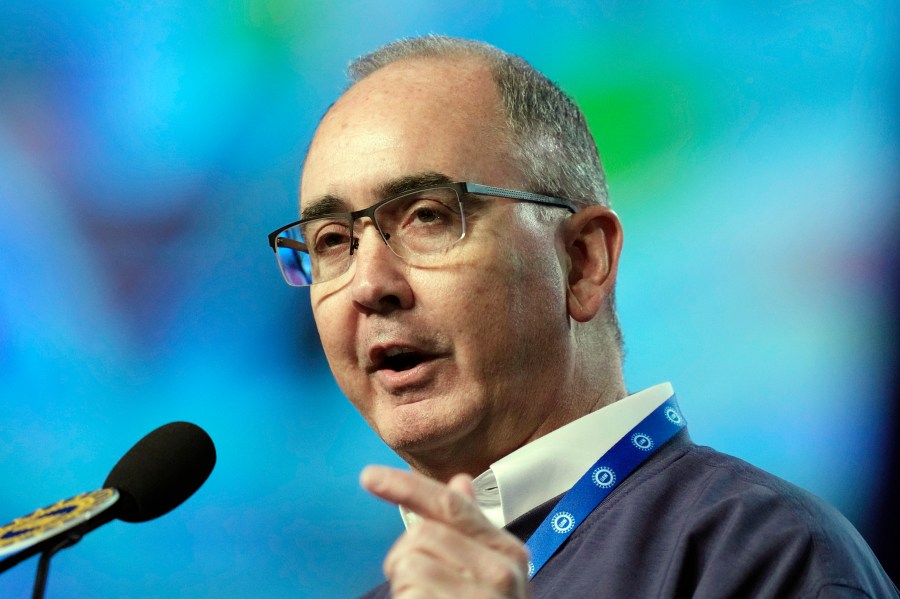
[161, 471]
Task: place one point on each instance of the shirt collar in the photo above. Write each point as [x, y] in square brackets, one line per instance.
[552, 464]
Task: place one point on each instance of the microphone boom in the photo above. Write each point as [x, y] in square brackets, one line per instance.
[155, 476]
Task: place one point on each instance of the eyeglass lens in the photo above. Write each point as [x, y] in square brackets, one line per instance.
[419, 223]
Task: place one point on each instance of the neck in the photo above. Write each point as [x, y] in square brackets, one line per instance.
[475, 453]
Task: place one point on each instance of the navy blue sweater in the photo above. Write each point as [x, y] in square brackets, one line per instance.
[692, 522]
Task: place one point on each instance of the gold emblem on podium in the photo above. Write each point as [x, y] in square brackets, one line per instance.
[62, 515]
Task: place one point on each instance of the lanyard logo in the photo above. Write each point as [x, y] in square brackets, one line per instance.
[642, 441]
[673, 416]
[604, 477]
[562, 522]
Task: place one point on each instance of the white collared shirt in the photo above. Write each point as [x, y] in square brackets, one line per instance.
[552, 464]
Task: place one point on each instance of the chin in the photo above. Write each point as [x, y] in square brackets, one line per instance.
[414, 432]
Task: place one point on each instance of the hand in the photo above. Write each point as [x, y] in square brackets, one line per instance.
[454, 551]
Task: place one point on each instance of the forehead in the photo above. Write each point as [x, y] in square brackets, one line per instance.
[415, 116]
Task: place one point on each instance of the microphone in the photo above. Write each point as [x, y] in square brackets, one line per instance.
[154, 477]
[161, 471]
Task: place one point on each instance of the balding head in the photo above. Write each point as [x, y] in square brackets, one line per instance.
[552, 143]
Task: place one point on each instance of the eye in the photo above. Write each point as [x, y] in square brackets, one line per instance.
[330, 240]
[423, 221]
[328, 237]
[425, 213]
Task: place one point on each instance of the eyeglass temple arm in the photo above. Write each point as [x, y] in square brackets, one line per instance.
[289, 243]
[526, 196]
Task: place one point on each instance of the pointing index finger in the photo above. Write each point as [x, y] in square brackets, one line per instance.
[427, 498]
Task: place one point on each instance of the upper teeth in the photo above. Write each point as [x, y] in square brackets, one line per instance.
[396, 351]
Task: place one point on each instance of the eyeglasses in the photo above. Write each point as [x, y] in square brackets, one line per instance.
[419, 226]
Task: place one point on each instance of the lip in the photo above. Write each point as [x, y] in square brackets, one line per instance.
[417, 377]
[395, 381]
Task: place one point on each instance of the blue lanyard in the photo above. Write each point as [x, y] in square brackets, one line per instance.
[601, 479]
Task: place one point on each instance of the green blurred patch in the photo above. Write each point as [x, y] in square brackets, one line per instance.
[654, 119]
[273, 27]
[634, 122]
[637, 122]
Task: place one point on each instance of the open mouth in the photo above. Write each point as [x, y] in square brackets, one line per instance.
[399, 359]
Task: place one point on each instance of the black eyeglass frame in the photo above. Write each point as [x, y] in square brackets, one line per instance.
[461, 189]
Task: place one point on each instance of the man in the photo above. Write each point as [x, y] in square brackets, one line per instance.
[462, 257]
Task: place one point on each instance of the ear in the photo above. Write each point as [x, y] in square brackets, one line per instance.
[593, 242]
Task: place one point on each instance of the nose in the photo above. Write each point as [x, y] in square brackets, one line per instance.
[379, 284]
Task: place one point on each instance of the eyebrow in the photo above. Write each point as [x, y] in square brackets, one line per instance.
[327, 204]
[331, 204]
[412, 183]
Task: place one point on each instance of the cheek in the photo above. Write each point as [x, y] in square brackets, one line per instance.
[534, 301]
[504, 300]
[335, 334]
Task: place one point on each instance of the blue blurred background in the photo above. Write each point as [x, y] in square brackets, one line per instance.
[147, 148]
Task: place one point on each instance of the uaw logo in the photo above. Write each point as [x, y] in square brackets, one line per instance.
[530, 569]
[642, 441]
[604, 477]
[673, 416]
[562, 522]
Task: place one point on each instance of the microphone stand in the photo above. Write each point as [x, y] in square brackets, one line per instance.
[43, 568]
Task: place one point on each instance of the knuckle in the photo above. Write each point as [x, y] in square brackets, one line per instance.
[397, 554]
[514, 549]
[412, 575]
[397, 568]
[503, 575]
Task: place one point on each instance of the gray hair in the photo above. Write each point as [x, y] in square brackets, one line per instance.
[554, 147]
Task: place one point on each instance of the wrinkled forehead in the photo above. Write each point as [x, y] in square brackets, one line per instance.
[422, 115]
